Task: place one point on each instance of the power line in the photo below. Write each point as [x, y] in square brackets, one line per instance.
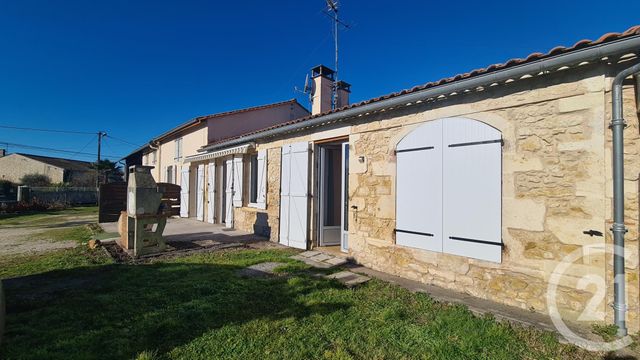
[84, 147]
[46, 130]
[72, 152]
[123, 141]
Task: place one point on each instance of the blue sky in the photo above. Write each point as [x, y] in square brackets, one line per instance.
[138, 68]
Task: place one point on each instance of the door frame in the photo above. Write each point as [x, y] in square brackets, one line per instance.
[342, 143]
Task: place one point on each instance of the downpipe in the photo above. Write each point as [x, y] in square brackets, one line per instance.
[618, 229]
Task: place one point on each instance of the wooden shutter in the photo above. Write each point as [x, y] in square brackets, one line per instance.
[472, 190]
[419, 188]
[200, 194]
[238, 175]
[262, 179]
[211, 193]
[184, 191]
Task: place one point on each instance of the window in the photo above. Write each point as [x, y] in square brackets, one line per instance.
[258, 180]
[448, 189]
[153, 157]
[253, 178]
[178, 151]
[169, 175]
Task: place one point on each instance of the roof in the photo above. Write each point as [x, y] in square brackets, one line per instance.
[200, 119]
[67, 164]
[558, 50]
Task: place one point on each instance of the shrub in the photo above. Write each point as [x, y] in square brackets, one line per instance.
[36, 180]
[6, 187]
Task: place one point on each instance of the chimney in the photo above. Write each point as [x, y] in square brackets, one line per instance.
[344, 89]
[322, 78]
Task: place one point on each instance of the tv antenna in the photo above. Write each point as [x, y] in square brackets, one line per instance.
[333, 9]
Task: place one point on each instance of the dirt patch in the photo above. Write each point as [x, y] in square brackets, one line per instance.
[17, 241]
[174, 249]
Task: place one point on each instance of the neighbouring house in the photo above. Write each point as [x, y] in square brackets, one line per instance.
[78, 173]
[168, 152]
[482, 182]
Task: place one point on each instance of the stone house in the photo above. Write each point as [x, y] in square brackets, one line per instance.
[14, 166]
[167, 152]
[485, 182]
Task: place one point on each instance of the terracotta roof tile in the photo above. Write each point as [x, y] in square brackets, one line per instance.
[635, 30]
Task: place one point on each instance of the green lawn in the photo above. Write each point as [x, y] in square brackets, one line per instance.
[47, 217]
[76, 304]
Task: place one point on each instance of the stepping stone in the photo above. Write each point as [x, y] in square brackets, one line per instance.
[321, 257]
[260, 270]
[309, 254]
[349, 279]
[336, 261]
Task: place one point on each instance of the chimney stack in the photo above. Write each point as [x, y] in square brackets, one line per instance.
[322, 78]
[322, 91]
[344, 89]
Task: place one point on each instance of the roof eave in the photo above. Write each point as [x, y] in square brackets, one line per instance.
[587, 54]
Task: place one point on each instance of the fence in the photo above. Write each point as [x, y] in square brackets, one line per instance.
[65, 195]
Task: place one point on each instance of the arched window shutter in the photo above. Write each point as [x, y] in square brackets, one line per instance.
[449, 184]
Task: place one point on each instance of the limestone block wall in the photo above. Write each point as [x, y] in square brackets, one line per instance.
[246, 217]
[556, 184]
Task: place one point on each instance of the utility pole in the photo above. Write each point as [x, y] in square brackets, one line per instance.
[101, 134]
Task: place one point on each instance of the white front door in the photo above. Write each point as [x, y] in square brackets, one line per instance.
[294, 195]
[228, 203]
[344, 214]
[211, 192]
[200, 194]
[184, 191]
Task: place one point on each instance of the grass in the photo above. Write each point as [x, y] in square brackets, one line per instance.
[75, 304]
[79, 234]
[45, 217]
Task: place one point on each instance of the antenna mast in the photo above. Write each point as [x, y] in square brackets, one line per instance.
[333, 7]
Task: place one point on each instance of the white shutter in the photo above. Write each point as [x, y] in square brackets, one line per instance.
[184, 192]
[228, 218]
[238, 175]
[262, 179]
[294, 195]
[472, 191]
[200, 194]
[419, 188]
[285, 176]
[211, 193]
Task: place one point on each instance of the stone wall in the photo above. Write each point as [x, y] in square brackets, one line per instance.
[14, 166]
[247, 218]
[556, 184]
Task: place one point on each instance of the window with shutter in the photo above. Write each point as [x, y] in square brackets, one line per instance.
[258, 180]
[449, 181]
[238, 175]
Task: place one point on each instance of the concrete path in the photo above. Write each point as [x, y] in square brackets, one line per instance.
[192, 230]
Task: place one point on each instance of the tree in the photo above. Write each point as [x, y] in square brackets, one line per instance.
[108, 171]
[35, 180]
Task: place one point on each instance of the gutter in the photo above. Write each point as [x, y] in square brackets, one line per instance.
[618, 229]
[596, 52]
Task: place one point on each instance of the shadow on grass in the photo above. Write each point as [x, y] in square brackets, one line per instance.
[118, 311]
